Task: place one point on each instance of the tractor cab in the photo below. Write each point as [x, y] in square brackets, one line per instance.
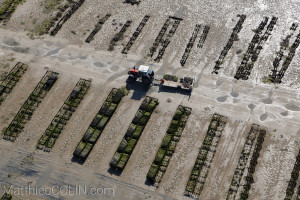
[144, 70]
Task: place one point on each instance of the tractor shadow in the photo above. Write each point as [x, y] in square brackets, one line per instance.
[139, 89]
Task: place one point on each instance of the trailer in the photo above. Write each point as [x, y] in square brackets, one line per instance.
[172, 81]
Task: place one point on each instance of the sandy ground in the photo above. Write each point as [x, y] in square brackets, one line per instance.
[274, 107]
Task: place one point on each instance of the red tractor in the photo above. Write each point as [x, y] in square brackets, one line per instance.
[143, 74]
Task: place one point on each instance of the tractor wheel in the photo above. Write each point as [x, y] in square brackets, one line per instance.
[131, 78]
[146, 80]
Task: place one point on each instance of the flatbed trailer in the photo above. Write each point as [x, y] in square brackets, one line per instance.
[172, 81]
